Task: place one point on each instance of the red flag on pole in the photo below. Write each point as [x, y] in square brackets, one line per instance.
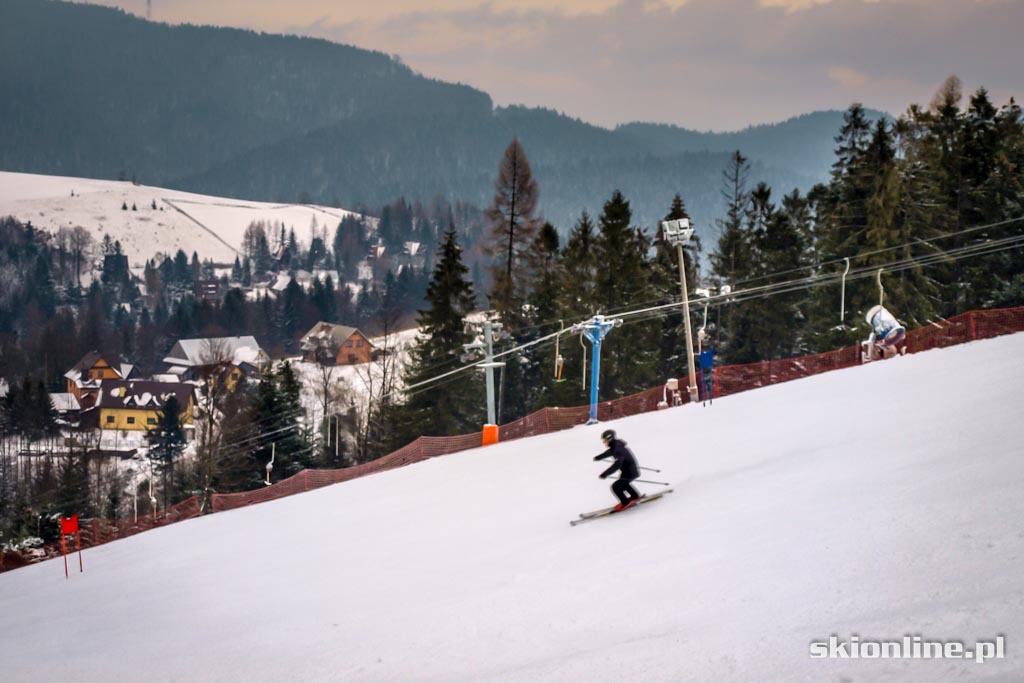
[70, 526]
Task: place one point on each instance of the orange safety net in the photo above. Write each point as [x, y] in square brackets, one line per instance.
[727, 380]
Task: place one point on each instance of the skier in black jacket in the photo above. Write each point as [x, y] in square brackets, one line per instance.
[625, 463]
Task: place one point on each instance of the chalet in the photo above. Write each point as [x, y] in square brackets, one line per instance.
[330, 344]
[137, 404]
[85, 379]
[191, 358]
[208, 289]
[67, 407]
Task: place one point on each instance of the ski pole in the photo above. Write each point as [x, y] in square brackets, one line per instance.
[650, 469]
[644, 481]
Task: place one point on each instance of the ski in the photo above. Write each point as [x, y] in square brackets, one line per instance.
[597, 514]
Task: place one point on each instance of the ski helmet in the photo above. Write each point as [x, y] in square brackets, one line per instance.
[608, 435]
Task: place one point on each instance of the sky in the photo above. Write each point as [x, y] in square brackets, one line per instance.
[703, 64]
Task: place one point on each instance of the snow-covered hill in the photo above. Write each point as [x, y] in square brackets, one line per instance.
[880, 501]
[213, 226]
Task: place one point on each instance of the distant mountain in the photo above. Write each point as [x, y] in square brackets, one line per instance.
[95, 92]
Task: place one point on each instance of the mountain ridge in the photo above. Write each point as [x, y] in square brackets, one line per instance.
[98, 92]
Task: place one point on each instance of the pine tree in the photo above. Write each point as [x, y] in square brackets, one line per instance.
[444, 408]
[732, 261]
[167, 442]
[629, 355]
[579, 267]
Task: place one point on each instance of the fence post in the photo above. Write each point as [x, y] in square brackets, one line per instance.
[974, 331]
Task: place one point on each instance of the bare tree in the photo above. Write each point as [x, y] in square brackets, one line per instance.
[326, 389]
[380, 380]
[214, 373]
[513, 220]
[81, 243]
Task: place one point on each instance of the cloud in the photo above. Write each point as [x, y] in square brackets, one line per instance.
[714, 64]
[847, 77]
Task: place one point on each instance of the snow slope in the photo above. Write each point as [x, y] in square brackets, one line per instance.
[213, 226]
[881, 500]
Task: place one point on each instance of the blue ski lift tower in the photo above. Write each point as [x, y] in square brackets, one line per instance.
[595, 331]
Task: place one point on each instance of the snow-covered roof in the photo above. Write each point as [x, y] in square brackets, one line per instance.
[199, 352]
[281, 283]
[412, 248]
[64, 403]
[143, 395]
[172, 376]
[327, 334]
[4, 388]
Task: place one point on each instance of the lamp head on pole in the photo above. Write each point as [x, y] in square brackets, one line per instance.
[677, 232]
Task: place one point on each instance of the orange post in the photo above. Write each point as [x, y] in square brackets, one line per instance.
[490, 435]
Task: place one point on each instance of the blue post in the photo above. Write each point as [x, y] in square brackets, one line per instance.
[595, 374]
[595, 330]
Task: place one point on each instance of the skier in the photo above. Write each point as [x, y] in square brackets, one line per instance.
[625, 463]
[887, 335]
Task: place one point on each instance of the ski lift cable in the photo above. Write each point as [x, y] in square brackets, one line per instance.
[764, 291]
[875, 252]
[789, 286]
[760, 291]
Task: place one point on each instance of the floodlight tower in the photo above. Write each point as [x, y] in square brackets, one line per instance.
[678, 233]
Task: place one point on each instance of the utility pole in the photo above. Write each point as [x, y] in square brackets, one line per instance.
[488, 365]
[678, 233]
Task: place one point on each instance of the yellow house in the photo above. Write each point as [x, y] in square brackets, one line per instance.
[137, 404]
[85, 378]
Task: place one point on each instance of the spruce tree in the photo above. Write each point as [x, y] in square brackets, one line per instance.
[450, 407]
[629, 354]
[731, 262]
[167, 441]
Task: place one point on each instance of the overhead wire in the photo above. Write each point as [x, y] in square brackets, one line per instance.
[763, 291]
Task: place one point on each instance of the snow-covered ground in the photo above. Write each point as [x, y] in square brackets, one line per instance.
[213, 226]
[880, 501]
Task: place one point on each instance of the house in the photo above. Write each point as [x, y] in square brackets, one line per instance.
[137, 404]
[192, 358]
[67, 407]
[208, 289]
[84, 380]
[330, 344]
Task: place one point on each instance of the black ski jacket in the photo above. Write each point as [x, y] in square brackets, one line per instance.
[625, 461]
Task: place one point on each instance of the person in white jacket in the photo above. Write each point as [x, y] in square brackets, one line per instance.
[887, 335]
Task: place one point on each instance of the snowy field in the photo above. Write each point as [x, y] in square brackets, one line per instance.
[213, 226]
[880, 501]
